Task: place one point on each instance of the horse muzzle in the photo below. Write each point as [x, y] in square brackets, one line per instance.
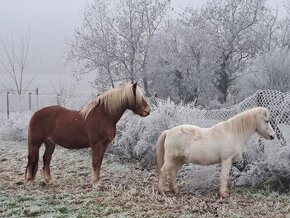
[145, 113]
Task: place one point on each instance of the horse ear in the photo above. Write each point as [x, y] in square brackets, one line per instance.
[134, 88]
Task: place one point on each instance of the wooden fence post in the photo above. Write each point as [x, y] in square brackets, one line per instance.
[7, 104]
[29, 101]
[58, 99]
[37, 104]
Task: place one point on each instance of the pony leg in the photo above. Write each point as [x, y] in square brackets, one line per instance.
[49, 149]
[173, 184]
[225, 171]
[165, 170]
[161, 181]
[32, 164]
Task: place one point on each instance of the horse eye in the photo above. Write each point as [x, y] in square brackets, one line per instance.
[267, 121]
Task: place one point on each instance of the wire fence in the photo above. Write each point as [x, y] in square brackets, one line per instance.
[31, 102]
[277, 102]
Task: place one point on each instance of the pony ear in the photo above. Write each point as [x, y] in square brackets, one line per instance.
[267, 113]
[134, 88]
[264, 112]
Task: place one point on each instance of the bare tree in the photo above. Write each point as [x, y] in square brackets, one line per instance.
[15, 63]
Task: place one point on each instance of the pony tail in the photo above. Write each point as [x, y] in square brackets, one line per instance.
[160, 151]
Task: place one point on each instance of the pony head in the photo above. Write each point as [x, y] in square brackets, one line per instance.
[264, 128]
[139, 105]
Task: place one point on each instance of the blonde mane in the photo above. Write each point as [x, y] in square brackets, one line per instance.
[113, 100]
[244, 121]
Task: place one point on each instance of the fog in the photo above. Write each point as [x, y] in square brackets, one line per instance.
[50, 23]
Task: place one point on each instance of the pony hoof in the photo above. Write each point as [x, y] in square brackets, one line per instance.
[176, 190]
[161, 191]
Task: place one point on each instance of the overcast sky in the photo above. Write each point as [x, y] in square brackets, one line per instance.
[50, 22]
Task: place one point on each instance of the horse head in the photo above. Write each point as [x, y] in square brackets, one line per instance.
[139, 105]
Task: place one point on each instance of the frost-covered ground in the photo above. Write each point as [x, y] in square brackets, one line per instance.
[126, 191]
[129, 177]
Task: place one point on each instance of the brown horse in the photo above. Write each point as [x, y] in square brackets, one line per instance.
[94, 126]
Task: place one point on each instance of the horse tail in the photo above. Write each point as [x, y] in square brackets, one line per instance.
[160, 150]
[33, 156]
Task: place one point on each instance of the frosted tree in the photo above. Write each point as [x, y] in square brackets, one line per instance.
[285, 29]
[116, 36]
[203, 54]
[180, 63]
[270, 70]
[233, 35]
[93, 45]
[163, 63]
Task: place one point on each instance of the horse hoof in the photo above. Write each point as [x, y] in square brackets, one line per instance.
[49, 182]
[97, 186]
[29, 182]
[225, 194]
[29, 178]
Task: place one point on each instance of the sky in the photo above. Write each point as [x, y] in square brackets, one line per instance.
[51, 23]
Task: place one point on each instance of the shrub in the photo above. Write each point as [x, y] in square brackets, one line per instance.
[15, 128]
[137, 137]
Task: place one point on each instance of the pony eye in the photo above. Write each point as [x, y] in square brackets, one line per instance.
[267, 121]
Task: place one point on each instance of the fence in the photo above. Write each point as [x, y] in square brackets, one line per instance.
[27, 102]
[277, 102]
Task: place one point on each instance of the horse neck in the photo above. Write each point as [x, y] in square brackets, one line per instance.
[117, 112]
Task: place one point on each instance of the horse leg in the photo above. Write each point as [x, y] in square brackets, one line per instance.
[225, 171]
[49, 149]
[98, 151]
[32, 164]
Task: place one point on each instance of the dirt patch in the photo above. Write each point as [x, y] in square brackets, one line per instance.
[126, 191]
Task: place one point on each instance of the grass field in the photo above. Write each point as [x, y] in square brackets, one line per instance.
[126, 191]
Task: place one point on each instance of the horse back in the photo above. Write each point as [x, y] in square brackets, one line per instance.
[65, 127]
[48, 115]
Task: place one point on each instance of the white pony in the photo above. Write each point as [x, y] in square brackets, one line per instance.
[223, 143]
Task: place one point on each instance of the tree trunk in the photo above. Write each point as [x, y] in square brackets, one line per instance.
[145, 83]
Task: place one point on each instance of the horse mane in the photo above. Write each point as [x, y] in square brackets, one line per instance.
[243, 121]
[113, 99]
